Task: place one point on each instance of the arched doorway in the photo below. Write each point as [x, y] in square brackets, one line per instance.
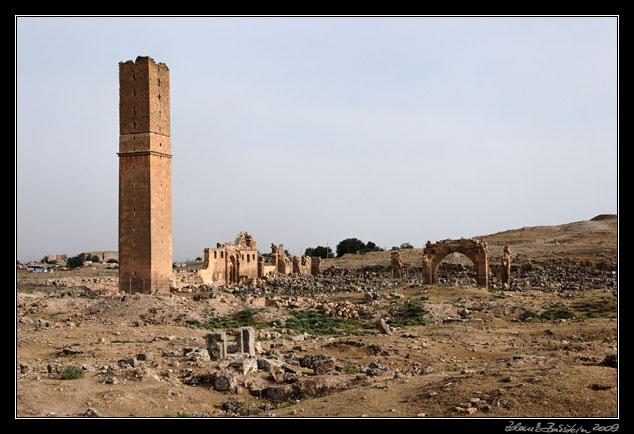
[475, 250]
[457, 269]
[233, 270]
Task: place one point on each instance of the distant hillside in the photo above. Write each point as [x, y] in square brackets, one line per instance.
[598, 230]
[594, 240]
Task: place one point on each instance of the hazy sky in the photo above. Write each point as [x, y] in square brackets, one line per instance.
[306, 131]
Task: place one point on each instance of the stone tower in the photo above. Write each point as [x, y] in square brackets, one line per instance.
[145, 177]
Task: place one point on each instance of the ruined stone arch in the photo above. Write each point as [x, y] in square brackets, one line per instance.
[475, 250]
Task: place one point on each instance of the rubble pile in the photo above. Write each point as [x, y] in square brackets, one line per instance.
[346, 310]
[564, 274]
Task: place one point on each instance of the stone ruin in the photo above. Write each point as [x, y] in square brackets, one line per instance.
[397, 265]
[239, 263]
[231, 263]
[475, 250]
[218, 348]
[305, 265]
[280, 262]
[502, 272]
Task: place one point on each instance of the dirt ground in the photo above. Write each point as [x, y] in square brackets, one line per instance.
[477, 353]
[512, 368]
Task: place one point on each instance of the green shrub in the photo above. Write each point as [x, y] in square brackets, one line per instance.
[75, 262]
[350, 368]
[315, 322]
[244, 318]
[550, 314]
[603, 308]
[354, 245]
[72, 373]
[408, 314]
[320, 251]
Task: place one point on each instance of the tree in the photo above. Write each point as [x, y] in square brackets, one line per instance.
[350, 245]
[95, 258]
[371, 247]
[112, 261]
[75, 262]
[406, 246]
[319, 251]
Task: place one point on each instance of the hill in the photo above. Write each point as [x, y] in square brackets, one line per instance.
[598, 230]
[593, 240]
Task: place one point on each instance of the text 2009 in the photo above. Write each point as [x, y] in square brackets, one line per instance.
[607, 428]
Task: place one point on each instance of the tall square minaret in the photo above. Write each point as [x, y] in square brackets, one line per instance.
[145, 177]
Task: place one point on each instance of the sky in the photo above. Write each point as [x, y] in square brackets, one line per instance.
[305, 131]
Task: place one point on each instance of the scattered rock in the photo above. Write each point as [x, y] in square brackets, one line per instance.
[198, 354]
[91, 412]
[225, 382]
[324, 365]
[610, 360]
[69, 351]
[375, 369]
[245, 365]
[599, 387]
[269, 364]
[308, 361]
[146, 357]
[383, 327]
[131, 362]
[111, 380]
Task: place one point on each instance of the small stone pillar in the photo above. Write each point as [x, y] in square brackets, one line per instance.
[427, 270]
[506, 267]
[397, 264]
[315, 265]
[217, 345]
[246, 340]
[260, 267]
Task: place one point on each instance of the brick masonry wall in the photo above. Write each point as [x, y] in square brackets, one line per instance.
[145, 177]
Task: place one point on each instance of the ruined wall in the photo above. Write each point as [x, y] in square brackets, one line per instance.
[102, 255]
[231, 263]
[505, 267]
[239, 263]
[282, 263]
[397, 264]
[145, 178]
[302, 265]
[315, 266]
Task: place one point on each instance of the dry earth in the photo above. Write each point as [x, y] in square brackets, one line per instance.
[453, 351]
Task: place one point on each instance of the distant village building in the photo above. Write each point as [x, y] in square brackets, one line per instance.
[104, 256]
[39, 268]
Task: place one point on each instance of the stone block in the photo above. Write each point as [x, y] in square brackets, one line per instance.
[216, 345]
[245, 365]
[384, 327]
[246, 341]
